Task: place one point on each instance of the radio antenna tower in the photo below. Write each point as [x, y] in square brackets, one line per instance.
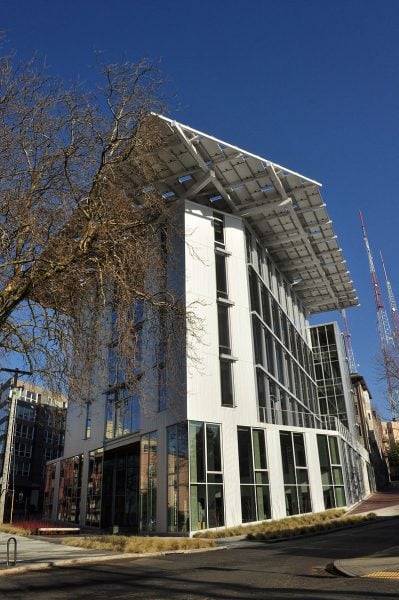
[384, 330]
[393, 305]
[348, 344]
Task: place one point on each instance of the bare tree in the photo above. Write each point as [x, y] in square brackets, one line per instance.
[81, 225]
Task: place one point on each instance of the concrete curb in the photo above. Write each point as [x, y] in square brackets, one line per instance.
[341, 570]
[95, 559]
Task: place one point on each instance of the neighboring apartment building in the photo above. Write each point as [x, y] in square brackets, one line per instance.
[370, 429]
[38, 436]
[390, 438]
[236, 434]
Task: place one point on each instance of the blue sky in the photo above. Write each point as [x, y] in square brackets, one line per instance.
[308, 84]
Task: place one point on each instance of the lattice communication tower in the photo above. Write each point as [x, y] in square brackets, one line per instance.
[393, 306]
[388, 347]
[348, 344]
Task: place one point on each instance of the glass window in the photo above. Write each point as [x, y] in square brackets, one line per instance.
[276, 319]
[197, 456]
[214, 460]
[254, 290]
[226, 383]
[206, 498]
[266, 313]
[245, 454]
[257, 333]
[224, 331]
[254, 480]
[259, 449]
[269, 343]
[148, 481]
[94, 488]
[248, 240]
[178, 477]
[221, 275]
[331, 472]
[218, 225]
[259, 255]
[296, 482]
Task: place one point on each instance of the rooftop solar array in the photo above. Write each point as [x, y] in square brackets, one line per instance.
[284, 209]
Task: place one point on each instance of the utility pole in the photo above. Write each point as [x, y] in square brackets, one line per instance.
[9, 445]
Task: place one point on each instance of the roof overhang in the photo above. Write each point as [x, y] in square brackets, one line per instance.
[285, 209]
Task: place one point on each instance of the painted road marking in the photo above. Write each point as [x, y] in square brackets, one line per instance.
[383, 575]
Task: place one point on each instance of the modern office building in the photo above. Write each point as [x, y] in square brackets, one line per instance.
[36, 435]
[346, 397]
[238, 432]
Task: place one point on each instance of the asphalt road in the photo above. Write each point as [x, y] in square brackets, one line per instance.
[284, 570]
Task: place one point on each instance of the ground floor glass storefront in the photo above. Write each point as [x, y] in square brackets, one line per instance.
[122, 484]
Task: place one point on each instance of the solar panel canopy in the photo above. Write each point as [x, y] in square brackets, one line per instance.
[284, 209]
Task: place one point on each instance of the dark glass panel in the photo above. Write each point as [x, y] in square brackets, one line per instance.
[260, 377]
[340, 499]
[263, 502]
[248, 510]
[257, 333]
[305, 504]
[218, 226]
[197, 454]
[328, 495]
[226, 382]
[198, 507]
[291, 500]
[215, 478]
[276, 318]
[302, 476]
[224, 333]
[299, 445]
[287, 455]
[270, 352]
[262, 477]
[182, 444]
[334, 452]
[254, 290]
[214, 461]
[248, 244]
[266, 313]
[259, 449]
[323, 451]
[215, 506]
[221, 275]
[245, 454]
[279, 362]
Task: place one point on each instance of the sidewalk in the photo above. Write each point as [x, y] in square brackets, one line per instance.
[34, 553]
[382, 565]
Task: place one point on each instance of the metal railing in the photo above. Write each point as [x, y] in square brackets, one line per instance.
[14, 561]
[309, 420]
[289, 417]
